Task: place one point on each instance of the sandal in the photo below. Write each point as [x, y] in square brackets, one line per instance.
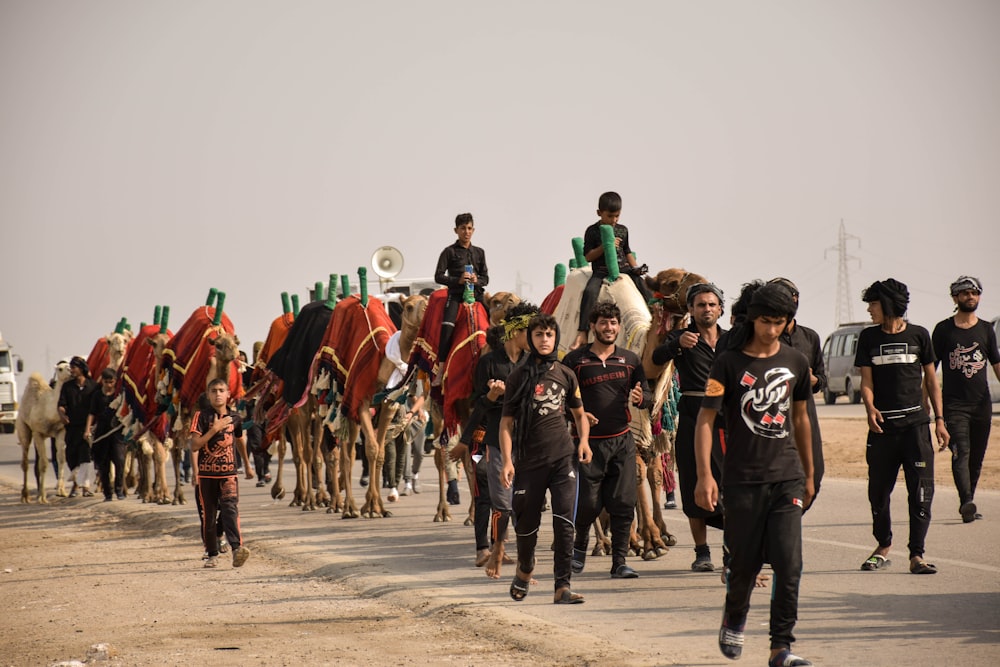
[921, 567]
[566, 596]
[519, 588]
[876, 562]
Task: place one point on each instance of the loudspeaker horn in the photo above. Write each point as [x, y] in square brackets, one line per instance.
[387, 262]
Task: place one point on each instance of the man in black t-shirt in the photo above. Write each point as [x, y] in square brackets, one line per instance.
[611, 382]
[216, 434]
[965, 345]
[461, 267]
[535, 443]
[897, 368]
[761, 387]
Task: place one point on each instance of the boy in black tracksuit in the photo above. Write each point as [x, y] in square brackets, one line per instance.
[611, 380]
[534, 438]
[762, 386]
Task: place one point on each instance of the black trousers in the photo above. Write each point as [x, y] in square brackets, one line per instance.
[560, 480]
[77, 447]
[608, 482]
[220, 498]
[911, 448]
[448, 323]
[107, 452]
[483, 504]
[970, 436]
[764, 523]
[687, 468]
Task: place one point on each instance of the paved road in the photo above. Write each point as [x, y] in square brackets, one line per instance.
[669, 616]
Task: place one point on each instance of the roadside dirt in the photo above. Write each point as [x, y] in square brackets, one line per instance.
[74, 577]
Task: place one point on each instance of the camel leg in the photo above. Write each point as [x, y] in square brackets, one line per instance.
[652, 544]
[278, 487]
[602, 543]
[318, 463]
[26, 446]
[470, 478]
[61, 467]
[346, 470]
[130, 467]
[375, 451]
[443, 513]
[654, 474]
[156, 488]
[176, 454]
[41, 467]
[332, 457]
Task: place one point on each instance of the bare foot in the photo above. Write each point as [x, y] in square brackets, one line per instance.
[762, 580]
[496, 559]
[507, 560]
[482, 556]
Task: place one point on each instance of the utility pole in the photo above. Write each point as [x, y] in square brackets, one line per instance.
[843, 306]
[520, 285]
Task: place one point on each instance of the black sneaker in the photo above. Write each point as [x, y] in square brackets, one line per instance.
[579, 559]
[787, 659]
[703, 563]
[968, 512]
[731, 638]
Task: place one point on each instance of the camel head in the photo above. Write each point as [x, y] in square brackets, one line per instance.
[498, 304]
[227, 348]
[62, 374]
[670, 286]
[117, 344]
[158, 343]
[413, 312]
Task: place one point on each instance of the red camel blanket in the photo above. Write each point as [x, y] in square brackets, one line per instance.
[353, 348]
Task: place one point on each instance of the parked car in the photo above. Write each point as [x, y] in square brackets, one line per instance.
[842, 376]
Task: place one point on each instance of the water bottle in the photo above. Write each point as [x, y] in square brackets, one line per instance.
[470, 293]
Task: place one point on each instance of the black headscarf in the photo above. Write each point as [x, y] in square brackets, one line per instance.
[535, 366]
[966, 283]
[770, 300]
[892, 294]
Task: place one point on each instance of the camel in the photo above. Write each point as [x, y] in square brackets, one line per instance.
[352, 355]
[109, 351]
[38, 419]
[203, 349]
[451, 400]
[498, 304]
[144, 428]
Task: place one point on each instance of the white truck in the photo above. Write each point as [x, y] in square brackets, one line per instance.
[8, 386]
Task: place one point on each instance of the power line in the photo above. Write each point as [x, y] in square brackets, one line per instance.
[843, 305]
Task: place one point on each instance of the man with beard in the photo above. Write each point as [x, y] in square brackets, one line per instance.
[693, 351]
[74, 407]
[965, 345]
[611, 381]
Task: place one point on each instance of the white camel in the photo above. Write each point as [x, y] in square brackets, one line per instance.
[37, 420]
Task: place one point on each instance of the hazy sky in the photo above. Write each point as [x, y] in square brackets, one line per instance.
[151, 150]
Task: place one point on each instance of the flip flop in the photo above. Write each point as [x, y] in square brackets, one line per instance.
[876, 562]
[922, 567]
[568, 597]
[519, 588]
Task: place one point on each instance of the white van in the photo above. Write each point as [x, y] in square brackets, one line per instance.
[843, 378]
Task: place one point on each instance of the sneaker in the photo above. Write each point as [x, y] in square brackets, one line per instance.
[223, 546]
[731, 638]
[416, 484]
[212, 561]
[363, 481]
[393, 495]
[968, 512]
[579, 560]
[702, 563]
[267, 477]
[240, 555]
[261, 483]
[107, 499]
[671, 503]
[787, 659]
[623, 571]
[120, 496]
[407, 490]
